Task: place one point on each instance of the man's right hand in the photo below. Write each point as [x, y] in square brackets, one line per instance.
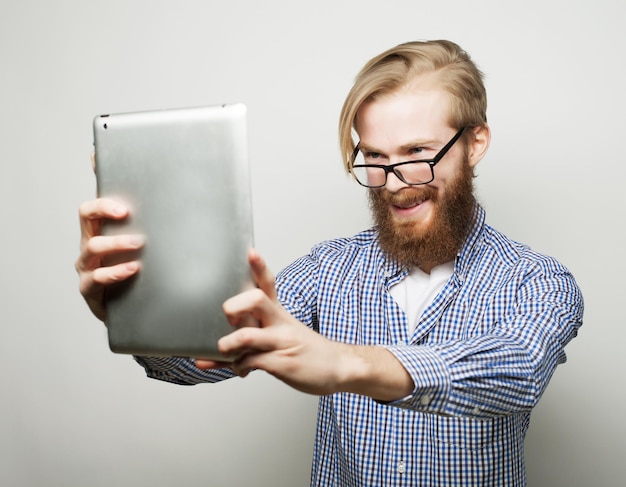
[93, 275]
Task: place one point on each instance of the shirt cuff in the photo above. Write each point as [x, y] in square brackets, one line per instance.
[181, 371]
[162, 364]
[430, 375]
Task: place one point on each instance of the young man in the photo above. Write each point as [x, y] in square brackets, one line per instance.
[430, 337]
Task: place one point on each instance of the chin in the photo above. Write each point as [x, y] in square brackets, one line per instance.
[417, 225]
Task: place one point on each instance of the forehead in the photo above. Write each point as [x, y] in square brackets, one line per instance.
[415, 112]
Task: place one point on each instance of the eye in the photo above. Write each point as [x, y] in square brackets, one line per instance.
[417, 150]
[369, 155]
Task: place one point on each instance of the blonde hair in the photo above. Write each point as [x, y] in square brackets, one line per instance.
[399, 66]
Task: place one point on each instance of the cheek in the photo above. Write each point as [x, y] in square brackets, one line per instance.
[442, 182]
[449, 171]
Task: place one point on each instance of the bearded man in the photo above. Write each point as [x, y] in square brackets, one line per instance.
[429, 337]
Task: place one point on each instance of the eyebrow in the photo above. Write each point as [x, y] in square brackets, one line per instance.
[403, 147]
[419, 143]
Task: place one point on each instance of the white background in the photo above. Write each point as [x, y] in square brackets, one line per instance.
[74, 414]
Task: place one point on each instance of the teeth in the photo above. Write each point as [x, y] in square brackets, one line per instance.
[410, 205]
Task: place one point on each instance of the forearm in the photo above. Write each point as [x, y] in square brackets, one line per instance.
[492, 376]
[373, 371]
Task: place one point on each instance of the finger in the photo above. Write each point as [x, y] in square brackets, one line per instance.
[103, 276]
[205, 364]
[91, 283]
[248, 342]
[251, 360]
[248, 320]
[100, 245]
[97, 247]
[241, 368]
[102, 208]
[252, 303]
[91, 213]
[262, 275]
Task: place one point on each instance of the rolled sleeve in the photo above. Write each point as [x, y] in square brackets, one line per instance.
[430, 375]
[182, 371]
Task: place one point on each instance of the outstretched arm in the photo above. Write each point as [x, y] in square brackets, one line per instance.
[299, 356]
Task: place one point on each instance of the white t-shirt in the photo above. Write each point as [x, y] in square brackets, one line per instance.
[414, 293]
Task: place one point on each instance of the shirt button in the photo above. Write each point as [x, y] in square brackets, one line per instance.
[476, 411]
[425, 399]
[401, 468]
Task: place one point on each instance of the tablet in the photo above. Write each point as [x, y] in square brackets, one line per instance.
[184, 175]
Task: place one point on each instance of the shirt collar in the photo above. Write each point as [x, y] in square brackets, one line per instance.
[475, 235]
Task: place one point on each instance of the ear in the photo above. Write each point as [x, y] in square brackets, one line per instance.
[479, 144]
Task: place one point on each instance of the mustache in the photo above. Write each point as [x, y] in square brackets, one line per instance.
[406, 196]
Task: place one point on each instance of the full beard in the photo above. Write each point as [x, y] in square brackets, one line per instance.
[439, 242]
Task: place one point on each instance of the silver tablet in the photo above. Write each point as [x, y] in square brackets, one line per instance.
[184, 175]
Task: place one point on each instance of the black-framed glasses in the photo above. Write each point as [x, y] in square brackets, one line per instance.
[412, 173]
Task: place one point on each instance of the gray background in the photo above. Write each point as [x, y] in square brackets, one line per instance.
[74, 414]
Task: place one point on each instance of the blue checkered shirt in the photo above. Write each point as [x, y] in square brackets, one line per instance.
[480, 357]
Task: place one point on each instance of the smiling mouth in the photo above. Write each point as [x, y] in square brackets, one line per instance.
[408, 202]
[406, 205]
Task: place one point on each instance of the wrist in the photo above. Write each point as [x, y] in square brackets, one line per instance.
[372, 371]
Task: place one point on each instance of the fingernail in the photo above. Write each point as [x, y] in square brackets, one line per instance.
[137, 240]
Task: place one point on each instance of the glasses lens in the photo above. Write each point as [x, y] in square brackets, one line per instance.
[374, 177]
[414, 172]
[371, 177]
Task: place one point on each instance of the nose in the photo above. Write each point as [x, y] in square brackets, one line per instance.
[394, 183]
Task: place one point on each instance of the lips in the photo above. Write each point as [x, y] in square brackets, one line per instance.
[408, 202]
[405, 205]
[410, 197]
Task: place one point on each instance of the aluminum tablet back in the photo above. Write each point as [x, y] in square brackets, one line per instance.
[184, 175]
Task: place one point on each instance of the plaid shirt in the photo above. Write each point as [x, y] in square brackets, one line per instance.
[480, 357]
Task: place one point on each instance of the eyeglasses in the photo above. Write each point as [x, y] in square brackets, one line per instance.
[412, 173]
